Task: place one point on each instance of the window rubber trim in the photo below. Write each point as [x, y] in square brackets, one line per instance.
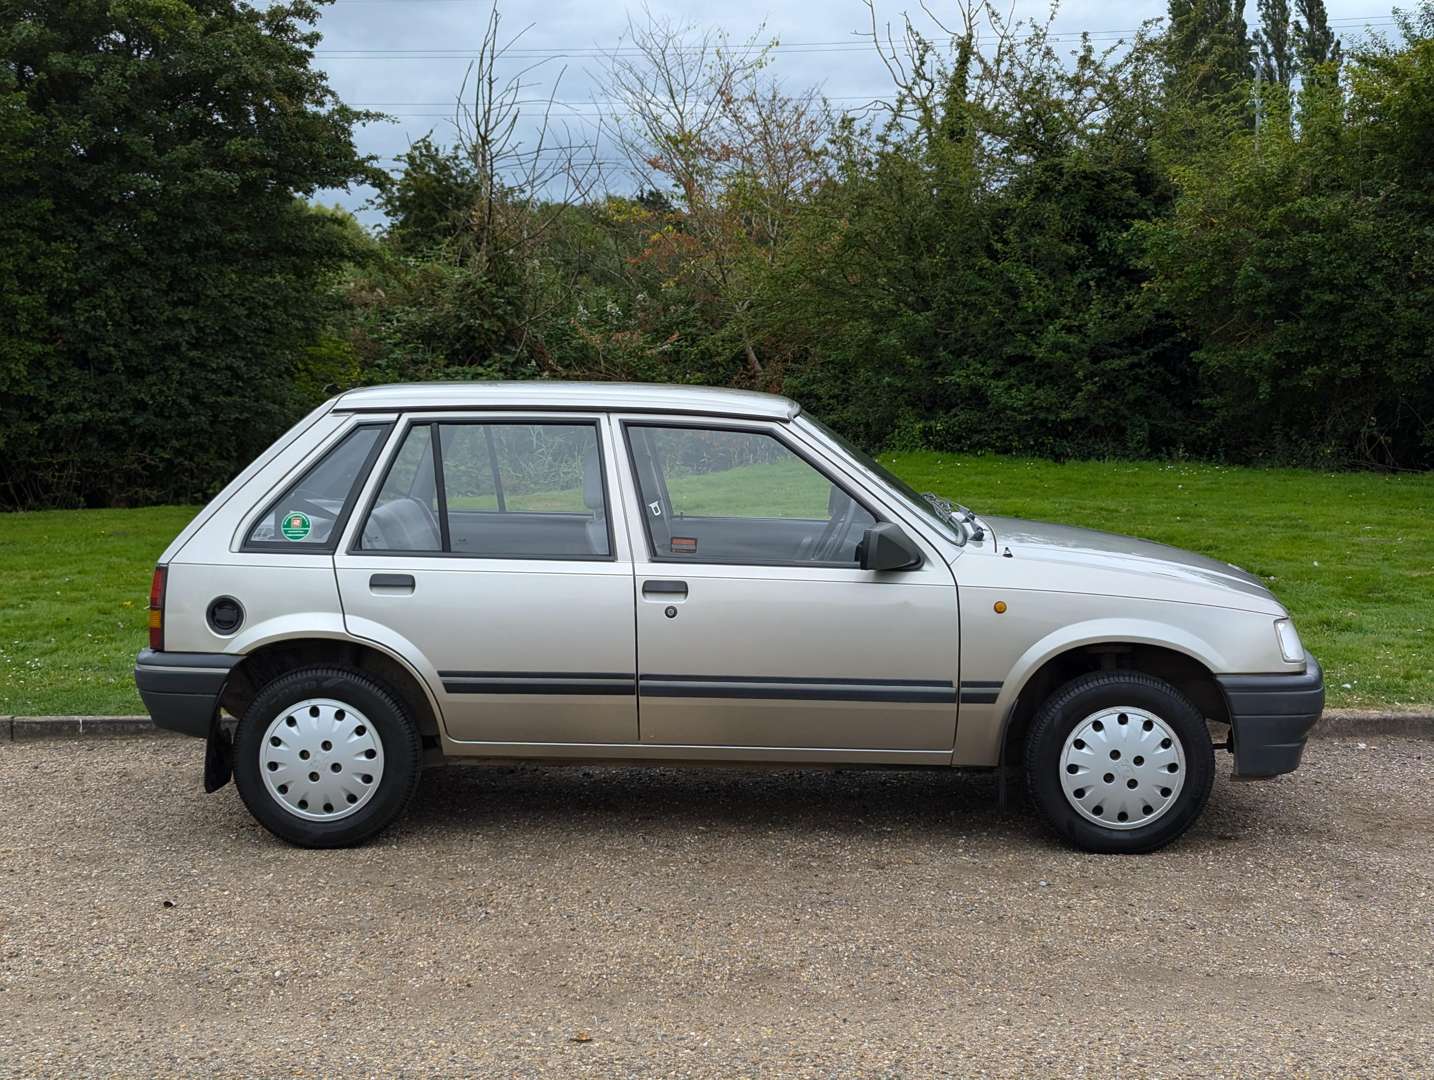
[440, 490]
[331, 545]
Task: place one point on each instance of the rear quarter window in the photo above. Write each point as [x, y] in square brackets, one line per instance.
[311, 512]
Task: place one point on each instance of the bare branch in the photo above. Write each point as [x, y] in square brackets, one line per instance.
[523, 184]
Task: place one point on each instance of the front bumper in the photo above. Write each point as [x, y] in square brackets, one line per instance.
[182, 690]
[1271, 717]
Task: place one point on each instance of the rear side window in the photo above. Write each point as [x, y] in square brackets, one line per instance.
[503, 490]
[405, 516]
[310, 514]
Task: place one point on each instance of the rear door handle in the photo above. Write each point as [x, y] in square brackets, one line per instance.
[666, 589]
[399, 583]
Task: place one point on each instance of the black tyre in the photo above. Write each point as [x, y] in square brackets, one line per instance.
[326, 757]
[1119, 762]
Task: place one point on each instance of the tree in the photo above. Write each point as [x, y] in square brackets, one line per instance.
[431, 200]
[158, 156]
[1276, 63]
[468, 254]
[1208, 50]
[1315, 43]
[735, 153]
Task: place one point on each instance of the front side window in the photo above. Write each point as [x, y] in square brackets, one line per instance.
[309, 514]
[717, 495]
[495, 490]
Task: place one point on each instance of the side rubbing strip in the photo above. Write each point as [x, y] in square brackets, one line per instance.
[538, 682]
[979, 692]
[915, 691]
[750, 687]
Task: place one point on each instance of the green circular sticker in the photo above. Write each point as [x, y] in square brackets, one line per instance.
[296, 525]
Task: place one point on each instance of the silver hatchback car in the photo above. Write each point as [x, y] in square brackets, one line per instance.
[414, 574]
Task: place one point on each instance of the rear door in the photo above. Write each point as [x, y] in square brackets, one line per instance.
[755, 624]
[486, 552]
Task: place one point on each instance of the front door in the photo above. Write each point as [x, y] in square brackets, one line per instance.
[755, 624]
[488, 554]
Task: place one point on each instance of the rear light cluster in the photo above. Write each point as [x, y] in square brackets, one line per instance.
[156, 609]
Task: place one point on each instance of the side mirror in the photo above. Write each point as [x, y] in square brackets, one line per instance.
[885, 547]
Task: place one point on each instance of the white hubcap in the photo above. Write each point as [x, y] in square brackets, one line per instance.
[1122, 768]
[321, 759]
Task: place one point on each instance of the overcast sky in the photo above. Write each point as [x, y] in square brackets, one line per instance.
[365, 42]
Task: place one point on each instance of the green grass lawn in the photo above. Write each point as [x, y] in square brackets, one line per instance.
[76, 592]
[1351, 555]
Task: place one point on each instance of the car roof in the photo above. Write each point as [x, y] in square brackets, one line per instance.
[554, 394]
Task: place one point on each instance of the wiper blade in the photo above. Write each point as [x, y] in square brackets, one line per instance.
[962, 515]
[942, 506]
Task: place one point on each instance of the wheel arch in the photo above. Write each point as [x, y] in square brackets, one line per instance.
[1165, 653]
[273, 658]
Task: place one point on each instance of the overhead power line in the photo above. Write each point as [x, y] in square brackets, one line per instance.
[558, 53]
[854, 44]
[475, 4]
[584, 104]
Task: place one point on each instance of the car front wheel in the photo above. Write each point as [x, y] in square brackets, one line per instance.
[326, 757]
[1119, 762]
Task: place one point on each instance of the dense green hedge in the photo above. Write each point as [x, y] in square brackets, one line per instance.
[161, 278]
[1131, 254]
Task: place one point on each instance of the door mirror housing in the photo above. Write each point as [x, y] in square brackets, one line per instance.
[885, 546]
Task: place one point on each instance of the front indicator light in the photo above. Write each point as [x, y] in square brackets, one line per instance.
[1290, 647]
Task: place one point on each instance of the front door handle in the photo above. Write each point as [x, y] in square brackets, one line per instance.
[394, 583]
[665, 589]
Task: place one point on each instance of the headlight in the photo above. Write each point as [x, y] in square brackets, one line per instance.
[1290, 647]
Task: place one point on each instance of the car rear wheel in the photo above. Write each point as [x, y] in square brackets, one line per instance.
[1119, 762]
[326, 757]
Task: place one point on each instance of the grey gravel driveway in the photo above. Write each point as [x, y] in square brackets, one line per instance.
[582, 921]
